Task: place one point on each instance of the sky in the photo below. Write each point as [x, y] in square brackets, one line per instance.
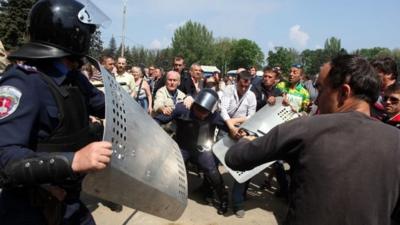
[299, 24]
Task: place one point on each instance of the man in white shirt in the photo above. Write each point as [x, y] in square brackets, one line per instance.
[238, 103]
[125, 79]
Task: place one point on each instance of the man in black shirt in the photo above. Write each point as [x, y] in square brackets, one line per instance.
[346, 165]
[265, 90]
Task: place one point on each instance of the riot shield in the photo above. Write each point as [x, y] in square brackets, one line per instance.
[147, 171]
[259, 124]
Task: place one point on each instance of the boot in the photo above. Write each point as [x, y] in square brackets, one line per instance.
[223, 207]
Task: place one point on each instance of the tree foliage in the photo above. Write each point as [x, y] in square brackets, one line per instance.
[195, 42]
[246, 53]
[371, 53]
[282, 57]
[13, 17]
[111, 50]
[96, 45]
[223, 53]
[312, 60]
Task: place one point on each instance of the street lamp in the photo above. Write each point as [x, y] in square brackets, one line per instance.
[123, 28]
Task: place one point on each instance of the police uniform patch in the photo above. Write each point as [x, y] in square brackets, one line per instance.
[9, 100]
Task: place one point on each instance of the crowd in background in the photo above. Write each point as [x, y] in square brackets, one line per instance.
[240, 96]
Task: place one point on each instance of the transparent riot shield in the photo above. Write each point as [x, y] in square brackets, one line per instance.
[259, 124]
[147, 171]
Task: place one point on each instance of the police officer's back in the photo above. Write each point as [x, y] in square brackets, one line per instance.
[46, 146]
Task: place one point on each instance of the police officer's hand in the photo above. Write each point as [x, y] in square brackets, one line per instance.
[188, 101]
[92, 157]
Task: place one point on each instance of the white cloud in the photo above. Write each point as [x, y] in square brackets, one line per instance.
[160, 44]
[298, 36]
[318, 47]
[155, 44]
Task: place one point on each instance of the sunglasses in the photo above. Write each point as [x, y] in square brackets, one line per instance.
[276, 69]
[299, 66]
[392, 100]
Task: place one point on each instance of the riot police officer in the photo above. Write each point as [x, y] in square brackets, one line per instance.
[45, 145]
[195, 129]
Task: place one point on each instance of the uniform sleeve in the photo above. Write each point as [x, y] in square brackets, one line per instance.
[283, 142]
[19, 130]
[16, 128]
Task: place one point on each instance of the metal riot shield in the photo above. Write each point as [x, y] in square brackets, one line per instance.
[259, 124]
[147, 171]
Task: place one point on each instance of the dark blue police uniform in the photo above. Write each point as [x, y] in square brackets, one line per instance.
[195, 138]
[44, 120]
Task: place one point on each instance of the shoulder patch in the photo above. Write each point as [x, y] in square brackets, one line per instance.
[27, 68]
[9, 100]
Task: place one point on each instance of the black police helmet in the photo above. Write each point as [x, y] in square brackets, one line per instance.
[207, 99]
[58, 28]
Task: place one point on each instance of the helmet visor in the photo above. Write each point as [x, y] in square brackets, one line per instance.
[91, 14]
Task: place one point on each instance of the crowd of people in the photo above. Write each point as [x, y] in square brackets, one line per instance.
[343, 152]
[237, 100]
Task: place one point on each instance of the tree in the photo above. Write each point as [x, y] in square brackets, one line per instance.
[96, 45]
[283, 57]
[246, 53]
[13, 17]
[312, 60]
[333, 48]
[372, 53]
[194, 42]
[112, 48]
[223, 53]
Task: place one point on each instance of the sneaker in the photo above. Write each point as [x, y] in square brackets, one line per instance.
[240, 213]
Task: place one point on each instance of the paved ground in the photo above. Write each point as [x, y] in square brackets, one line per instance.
[261, 208]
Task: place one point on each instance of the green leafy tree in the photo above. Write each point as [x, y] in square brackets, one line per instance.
[223, 53]
[372, 53]
[312, 60]
[246, 53]
[396, 56]
[96, 45]
[333, 48]
[194, 42]
[13, 17]
[283, 57]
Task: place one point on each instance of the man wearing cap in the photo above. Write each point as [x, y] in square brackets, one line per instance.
[195, 128]
[295, 94]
